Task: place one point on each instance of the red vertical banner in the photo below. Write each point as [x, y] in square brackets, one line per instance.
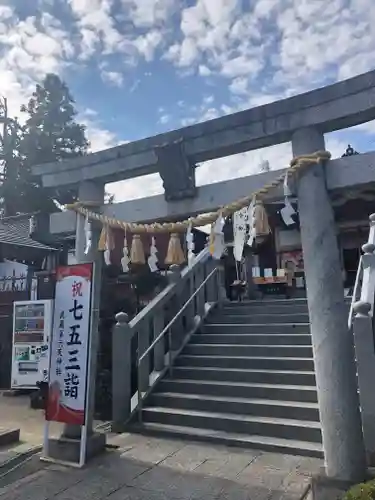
[69, 345]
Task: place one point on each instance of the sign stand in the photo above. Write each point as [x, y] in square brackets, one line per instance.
[83, 272]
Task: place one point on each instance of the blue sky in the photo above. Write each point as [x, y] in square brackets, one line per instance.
[140, 67]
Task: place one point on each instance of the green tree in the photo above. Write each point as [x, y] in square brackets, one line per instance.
[50, 134]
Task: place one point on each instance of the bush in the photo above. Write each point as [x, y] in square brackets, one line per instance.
[363, 491]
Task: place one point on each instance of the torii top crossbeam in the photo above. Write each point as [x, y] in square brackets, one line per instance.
[174, 154]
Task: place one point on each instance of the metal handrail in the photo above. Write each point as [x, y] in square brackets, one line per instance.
[167, 293]
[166, 328]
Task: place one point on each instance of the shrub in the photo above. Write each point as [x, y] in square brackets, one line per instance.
[363, 491]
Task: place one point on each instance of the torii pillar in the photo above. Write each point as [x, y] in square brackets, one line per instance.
[332, 341]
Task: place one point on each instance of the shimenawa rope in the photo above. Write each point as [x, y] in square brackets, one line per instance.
[296, 164]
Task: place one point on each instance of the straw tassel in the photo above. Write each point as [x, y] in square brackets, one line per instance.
[261, 220]
[175, 255]
[103, 239]
[137, 254]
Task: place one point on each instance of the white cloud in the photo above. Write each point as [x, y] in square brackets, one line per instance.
[148, 43]
[141, 187]
[164, 119]
[147, 13]
[97, 27]
[239, 86]
[31, 48]
[204, 71]
[99, 137]
[112, 77]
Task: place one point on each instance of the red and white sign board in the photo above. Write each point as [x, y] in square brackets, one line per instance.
[69, 348]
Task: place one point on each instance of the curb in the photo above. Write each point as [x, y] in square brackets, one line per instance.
[9, 436]
[14, 462]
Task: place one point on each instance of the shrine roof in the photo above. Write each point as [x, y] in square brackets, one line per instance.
[16, 231]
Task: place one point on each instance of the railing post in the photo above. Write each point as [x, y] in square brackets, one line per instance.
[121, 372]
[365, 356]
[177, 333]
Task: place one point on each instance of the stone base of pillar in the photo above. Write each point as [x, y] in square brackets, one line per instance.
[68, 450]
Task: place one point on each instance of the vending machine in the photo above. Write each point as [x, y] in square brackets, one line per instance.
[32, 325]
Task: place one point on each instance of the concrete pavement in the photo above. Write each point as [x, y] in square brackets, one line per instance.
[161, 469]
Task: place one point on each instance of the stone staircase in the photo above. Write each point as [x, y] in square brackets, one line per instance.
[246, 379]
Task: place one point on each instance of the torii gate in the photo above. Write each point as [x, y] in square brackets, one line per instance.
[303, 120]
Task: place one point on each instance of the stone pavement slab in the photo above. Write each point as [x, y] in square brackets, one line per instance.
[144, 468]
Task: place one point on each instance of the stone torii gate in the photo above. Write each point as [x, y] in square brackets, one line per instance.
[303, 120]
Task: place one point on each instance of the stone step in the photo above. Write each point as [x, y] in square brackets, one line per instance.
[259, 329]
[247, 362]
[259, 319]
[268, 351]
[264, 443]
[265, 302]
[251, 339]
[302, 430]
[287, 377]
[283, 308]
[307, 394]
[240, 406]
